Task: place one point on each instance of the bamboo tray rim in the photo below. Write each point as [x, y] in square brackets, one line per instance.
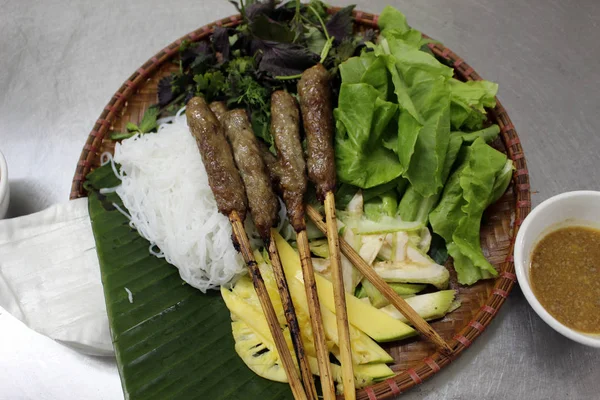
[503, 283]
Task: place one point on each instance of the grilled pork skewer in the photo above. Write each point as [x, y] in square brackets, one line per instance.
[315, 104]
[228, 189]
[219, 108]
[291, 170]
[317, 115]
[264, 206]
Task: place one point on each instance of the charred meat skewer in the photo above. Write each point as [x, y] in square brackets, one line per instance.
[291, 170]
[262, 201]
[219, 108]
[285, 128]
[223, 176]
[264, 207]
[228, 189]
[317, 114]
[318, 123]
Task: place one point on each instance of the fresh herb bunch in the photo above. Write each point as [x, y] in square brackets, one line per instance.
[269, 50]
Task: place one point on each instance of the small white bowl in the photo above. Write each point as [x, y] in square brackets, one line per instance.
[4, 190]
[581, 208]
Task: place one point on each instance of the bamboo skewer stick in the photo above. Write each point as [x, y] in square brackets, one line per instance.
[292, 320]
[263, 209]
[230, 194]
[288, 173]
[287, 362]
[314, 309]
[417, 321]
[316, 106]
[341, 312]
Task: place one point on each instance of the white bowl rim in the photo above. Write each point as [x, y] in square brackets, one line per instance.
[521, 271]
[3, 177]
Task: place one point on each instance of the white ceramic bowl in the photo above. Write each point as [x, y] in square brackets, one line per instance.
[573, 208]
[4, 191]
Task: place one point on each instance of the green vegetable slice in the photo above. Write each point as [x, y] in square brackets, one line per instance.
[378, 300]
[411, 272]
[385, 225]
[172, 342]
[429, 306]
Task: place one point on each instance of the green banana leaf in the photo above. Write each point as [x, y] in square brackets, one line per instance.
[172, 341]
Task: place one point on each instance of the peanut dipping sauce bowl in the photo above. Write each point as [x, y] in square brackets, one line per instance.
[579, 208]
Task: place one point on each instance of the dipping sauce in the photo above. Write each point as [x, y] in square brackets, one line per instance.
[565, 276]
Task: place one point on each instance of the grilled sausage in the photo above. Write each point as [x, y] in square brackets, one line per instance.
[223, 176]
[317, 115]
[261, 200]
[272, 166]
[219, 108]
[285, 128]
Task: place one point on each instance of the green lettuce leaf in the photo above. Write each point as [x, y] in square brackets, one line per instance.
[445, 216]
[401, 89]
[415, 65]
[354, 68]
[401, 73]
[393, 25]
[423, 95]
[454, 146]
[466, 271]
[362, 121]
[457, 218]
[377, 76]
[475, 94]
[369, 69]
[469, 100]
[414, 207]
[427, 162]
[391, 18]
[503, 179]
[455, 174]
[488, 134]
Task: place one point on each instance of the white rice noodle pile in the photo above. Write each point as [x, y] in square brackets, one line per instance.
[165, 189]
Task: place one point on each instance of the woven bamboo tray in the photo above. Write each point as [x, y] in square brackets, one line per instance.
[414, 360]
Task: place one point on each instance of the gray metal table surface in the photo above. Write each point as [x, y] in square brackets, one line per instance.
[61, 61]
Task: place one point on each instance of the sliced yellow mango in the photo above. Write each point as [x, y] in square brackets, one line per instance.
[363, 316]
